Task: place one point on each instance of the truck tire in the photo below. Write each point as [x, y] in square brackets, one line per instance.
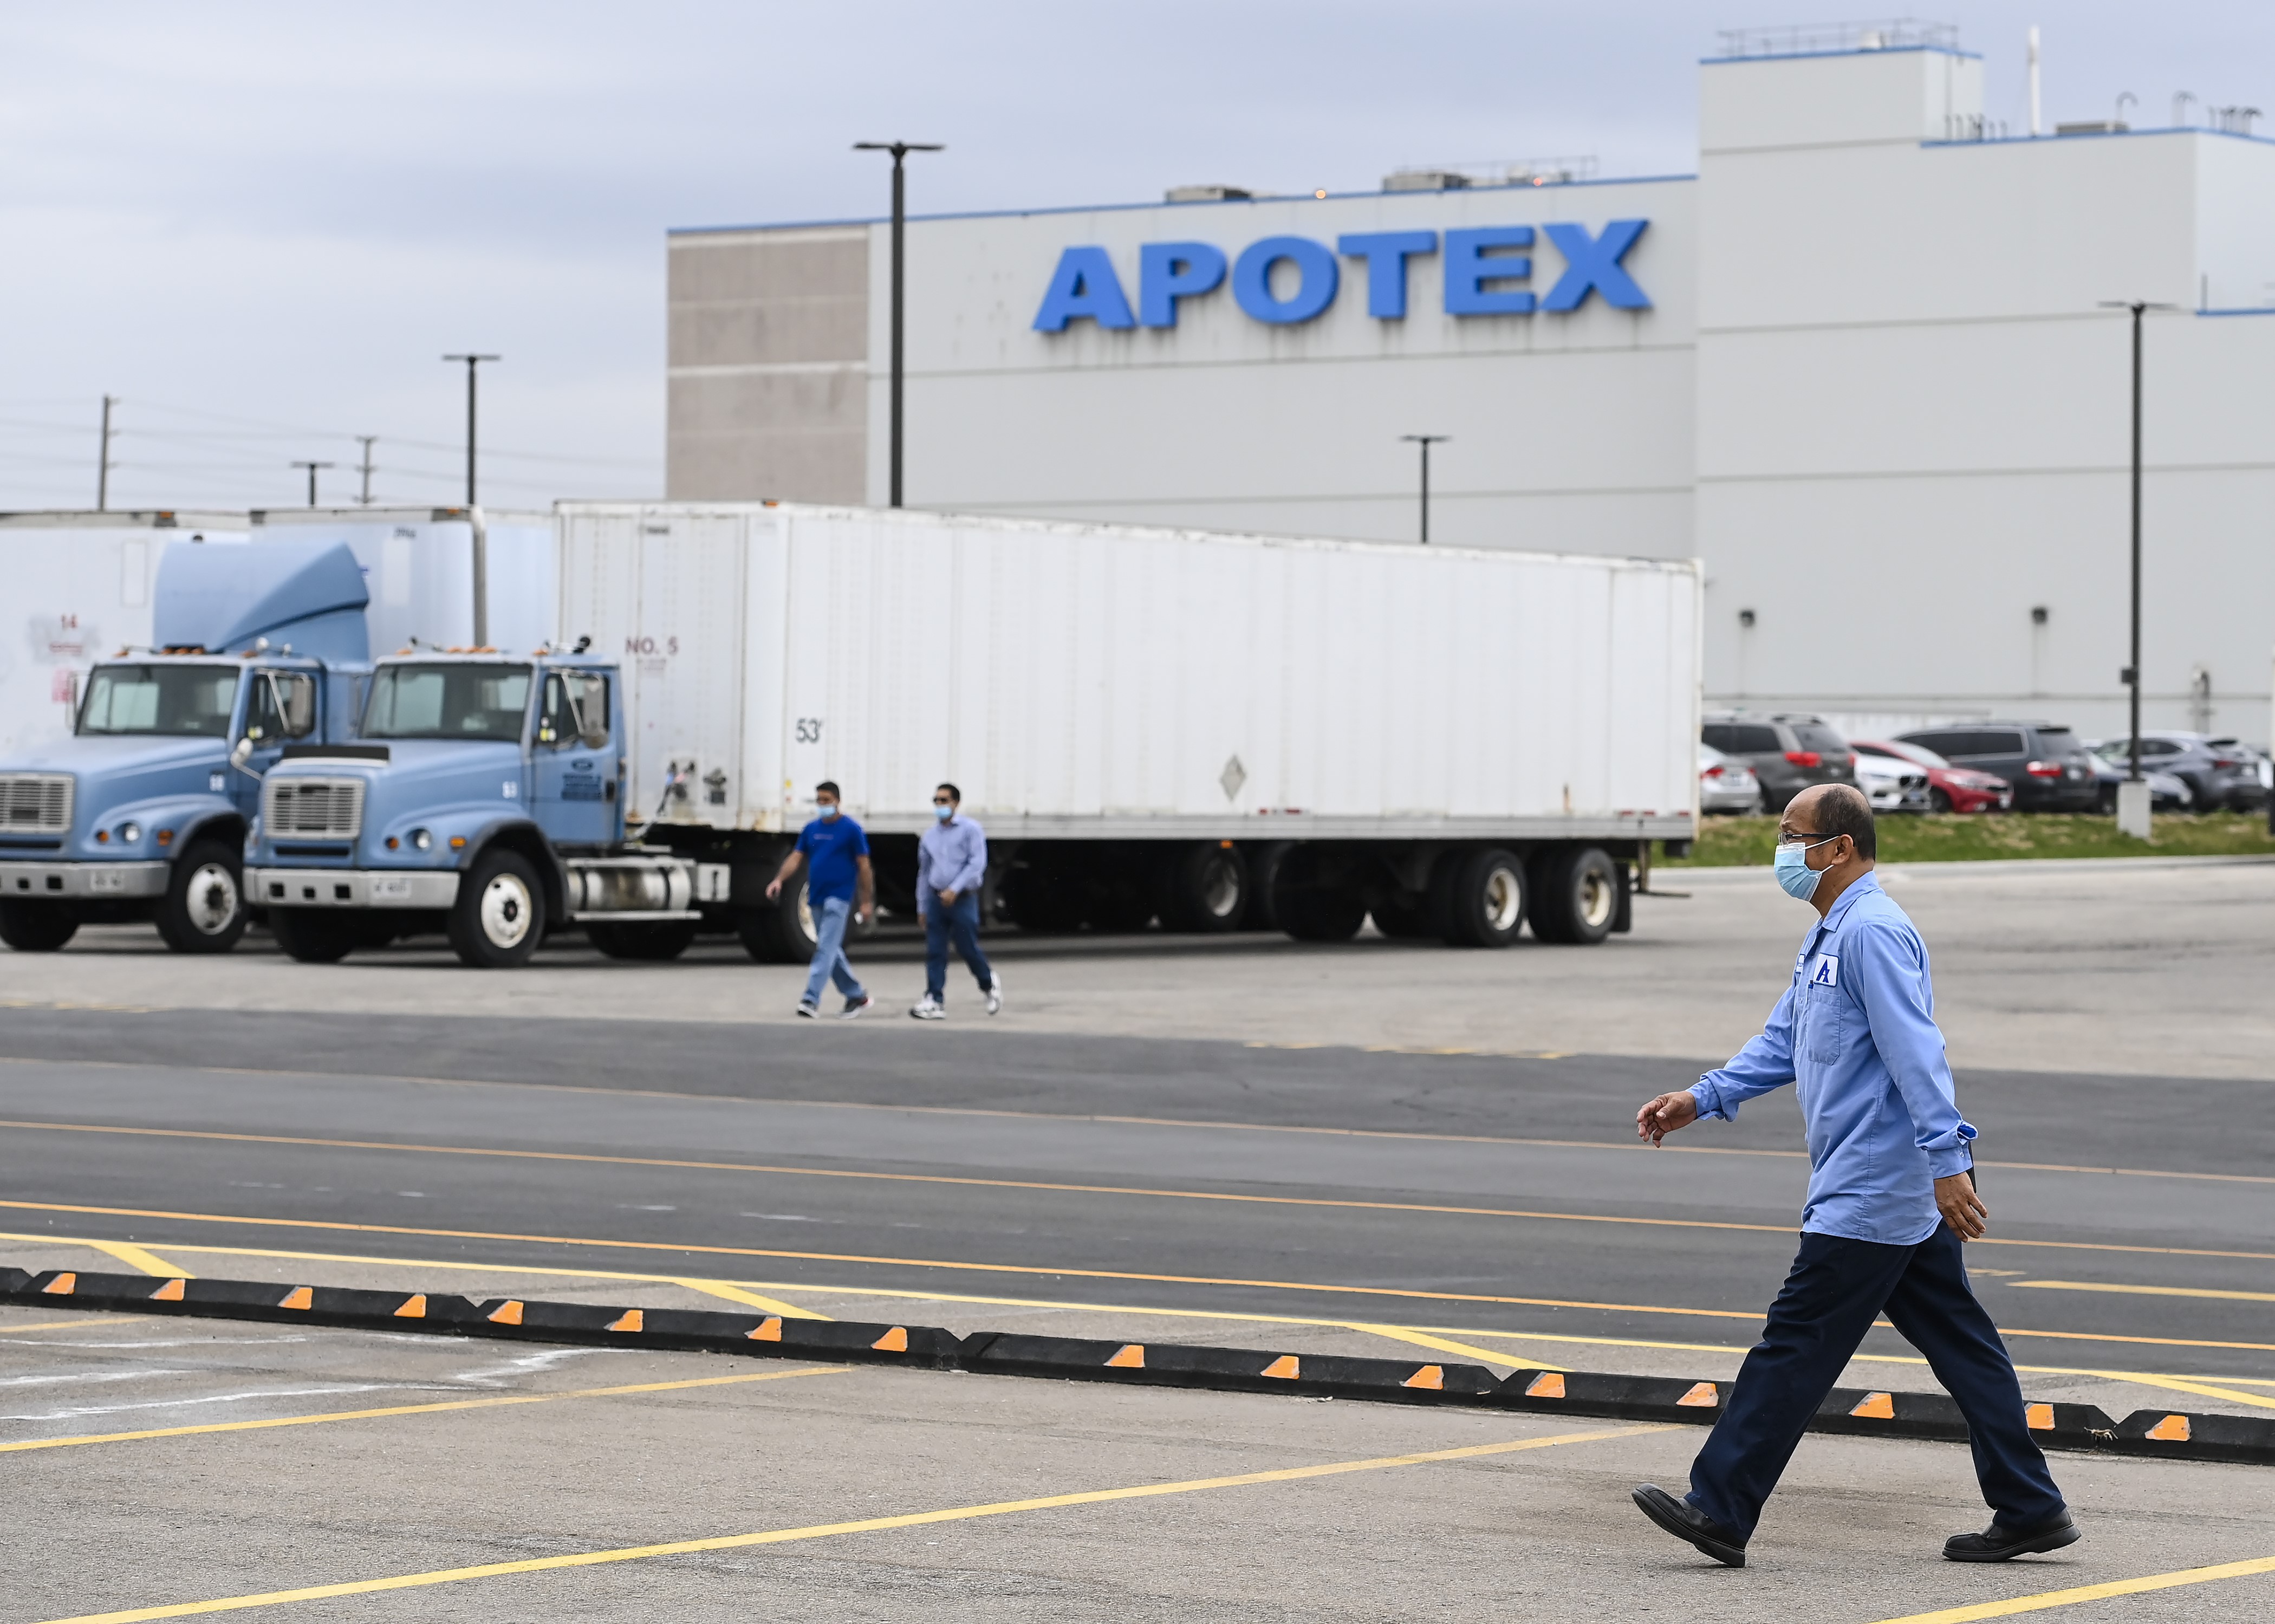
[1482, 898]
[781, 934]
[1576, 896]
[651, 940]
[203, 910]
[1402, 915]
[1203, 888]
[36, 927]
[499, 917]
[1264, 858]
[312, 935]
[1316, 898]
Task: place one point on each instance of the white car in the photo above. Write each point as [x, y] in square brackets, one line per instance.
[1727, 784]
[1891, 783]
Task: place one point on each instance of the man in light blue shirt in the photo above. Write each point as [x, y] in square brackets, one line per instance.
[1890, 1197]
[951, 865]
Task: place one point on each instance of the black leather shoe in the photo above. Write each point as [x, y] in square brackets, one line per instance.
[1685, 1520]
[1997, 1544]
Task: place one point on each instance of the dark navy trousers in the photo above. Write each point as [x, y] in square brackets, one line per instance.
[957, 922]
[1837, 1287]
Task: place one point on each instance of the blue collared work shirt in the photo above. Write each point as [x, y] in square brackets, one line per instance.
[1856, 1033]
[951, 856]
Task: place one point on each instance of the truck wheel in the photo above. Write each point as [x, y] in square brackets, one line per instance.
[499, 917]
[1263, 859]
[1204, 888]
[780, 934]
[1316, 898]
[654, 940]
[203, 910]
[36, 927]
[1576, 896]
[1482, 897]
[1401, 916]
[312, 935]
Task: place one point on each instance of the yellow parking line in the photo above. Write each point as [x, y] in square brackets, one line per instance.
[135, 1257]
[410, 1409]
[1423, 1339]
[80, 1322]
[785, 1536]
[2061, 1598]
[2145, 1291]
[735, 1294]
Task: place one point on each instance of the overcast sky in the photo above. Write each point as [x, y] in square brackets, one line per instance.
[260, 226]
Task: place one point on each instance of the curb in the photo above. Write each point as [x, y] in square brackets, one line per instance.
[1859, 1412]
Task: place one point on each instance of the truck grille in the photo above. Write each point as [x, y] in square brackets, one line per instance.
[327, 808]
[38, 802]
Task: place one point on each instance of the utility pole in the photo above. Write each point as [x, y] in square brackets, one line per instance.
[102, 467]
[1425, 441]
[472, 361]
[364, 468]
[900, 150]
[311, 468]
[2132, 673]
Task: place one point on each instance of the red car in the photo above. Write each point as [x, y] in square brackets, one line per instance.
[1949, 789]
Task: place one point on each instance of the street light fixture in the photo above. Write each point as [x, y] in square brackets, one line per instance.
[1425, 441]
[311, 468]
[900, 150]
[2132, 673]
[472, 361]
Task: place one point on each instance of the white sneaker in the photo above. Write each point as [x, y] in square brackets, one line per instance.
[808, 1011]
[995, 991]
[929, 1010]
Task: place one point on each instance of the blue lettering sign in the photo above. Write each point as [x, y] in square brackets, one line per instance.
[1468, 269]
[1594, 262]
[1168, 272]
[1084, 285]
[1386, 253]
[1251, 279]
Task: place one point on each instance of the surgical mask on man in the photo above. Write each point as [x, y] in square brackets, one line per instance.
[1794, 873]
[942, 812]
[828, 808]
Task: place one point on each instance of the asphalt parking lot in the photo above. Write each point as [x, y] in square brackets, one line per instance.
[402, 1124]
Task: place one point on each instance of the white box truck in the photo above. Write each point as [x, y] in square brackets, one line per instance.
[1213, 730]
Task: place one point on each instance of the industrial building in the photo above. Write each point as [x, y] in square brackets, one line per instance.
[1861, 363]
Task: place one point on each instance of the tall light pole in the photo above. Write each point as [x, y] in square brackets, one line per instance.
[1425, 441]
[102, 468]
[311, 468]
[900, 150]
[2132, 671]
[472, 361]
[364, 466]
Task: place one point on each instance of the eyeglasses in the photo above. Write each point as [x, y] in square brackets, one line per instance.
[942, 800]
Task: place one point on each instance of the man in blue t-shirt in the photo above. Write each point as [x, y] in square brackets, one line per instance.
[840, 883]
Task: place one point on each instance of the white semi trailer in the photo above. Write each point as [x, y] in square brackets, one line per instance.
[1213, 730]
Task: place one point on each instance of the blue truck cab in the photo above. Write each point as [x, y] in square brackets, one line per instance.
[142, 813]
[482, 797]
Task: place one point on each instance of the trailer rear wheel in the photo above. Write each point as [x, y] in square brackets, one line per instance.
[782, 934]
[36, 927]
[312, 935]
[1482, 898]
[499, 917]
[1204, 888]
[1316, 897]
[203, 910]
[1401, 916]
[651, 940]
[1576, 896]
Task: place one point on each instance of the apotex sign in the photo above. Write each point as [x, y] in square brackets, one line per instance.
[1481, 265]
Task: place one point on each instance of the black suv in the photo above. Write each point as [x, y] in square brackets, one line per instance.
[1788, 753]
[2044, 761]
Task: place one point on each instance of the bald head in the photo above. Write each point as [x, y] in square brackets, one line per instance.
[1829, 810]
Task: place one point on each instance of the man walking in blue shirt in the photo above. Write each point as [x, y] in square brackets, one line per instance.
[841, 883]
[1890, 1197]
[951, 863]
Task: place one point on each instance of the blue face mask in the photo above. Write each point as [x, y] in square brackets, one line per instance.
[944, 813]
[828, 808]
[1794, 873]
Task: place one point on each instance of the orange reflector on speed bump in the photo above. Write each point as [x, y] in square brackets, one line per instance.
[1131, 1358]
[1429, 1376]
[170, 1292]
[769, 1330]
[1285, 1368]
[414, 1308]
[2171, 1430]
[1701, 1396]
[1548, 1385]
[299, 1297]
[631, 1319]
[507, 1313]
[894, 1341]
[1876, 1407]
[62, 1286]
[2039, 1417]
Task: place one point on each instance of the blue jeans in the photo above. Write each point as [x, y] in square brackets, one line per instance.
[830, 914]
[958, 921]
[1837, 1287]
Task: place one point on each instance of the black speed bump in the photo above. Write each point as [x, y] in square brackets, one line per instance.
[1238, 1370]
[231, 1299]
[702, 1331]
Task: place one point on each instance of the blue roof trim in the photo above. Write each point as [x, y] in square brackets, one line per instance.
[1879, 50]
[2241, 310]
[2109, 135]
[1109, 208]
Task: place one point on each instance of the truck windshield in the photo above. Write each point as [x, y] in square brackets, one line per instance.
[447, 702]
[182, 701]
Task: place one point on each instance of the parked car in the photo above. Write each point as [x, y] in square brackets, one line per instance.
[2050, 769]
[2166, 793]
[1788, 753]
[1727, 784]
[2222, 775]
[1949, 789]
[1890, 782]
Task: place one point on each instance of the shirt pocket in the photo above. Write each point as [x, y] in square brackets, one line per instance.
[1823, 1023]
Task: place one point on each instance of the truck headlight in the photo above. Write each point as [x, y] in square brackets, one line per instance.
[421, 838]
[129, 832]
